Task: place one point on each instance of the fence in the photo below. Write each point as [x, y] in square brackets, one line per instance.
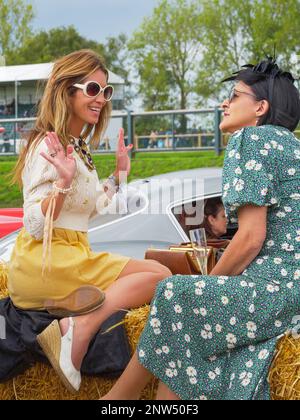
[15, 130]
[183, 130]
[159, 131]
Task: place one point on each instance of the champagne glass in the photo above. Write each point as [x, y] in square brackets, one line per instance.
[199, 244]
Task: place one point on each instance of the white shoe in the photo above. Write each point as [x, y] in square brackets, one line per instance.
[58, 350]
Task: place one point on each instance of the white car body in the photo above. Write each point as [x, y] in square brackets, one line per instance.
[132, 234]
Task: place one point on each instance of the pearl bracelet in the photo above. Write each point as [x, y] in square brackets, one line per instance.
[61, 190]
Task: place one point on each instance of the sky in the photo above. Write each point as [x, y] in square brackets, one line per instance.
[93, 19]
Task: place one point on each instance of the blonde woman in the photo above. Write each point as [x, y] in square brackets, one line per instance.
[52, 257]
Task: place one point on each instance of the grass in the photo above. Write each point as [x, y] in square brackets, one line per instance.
[143, 165]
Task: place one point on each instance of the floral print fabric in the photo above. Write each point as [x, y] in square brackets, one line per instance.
[214, 337]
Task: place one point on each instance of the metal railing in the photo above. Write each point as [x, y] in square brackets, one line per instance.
[169, 140]
[175, 138]
[15, 130]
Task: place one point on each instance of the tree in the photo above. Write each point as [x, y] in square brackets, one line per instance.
[115, 50]
[116, 54]
[44, 46]
[165, 51]
[15, 19]
[238, 32]
[183, 51]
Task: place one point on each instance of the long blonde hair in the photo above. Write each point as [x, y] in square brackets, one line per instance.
[54, 109]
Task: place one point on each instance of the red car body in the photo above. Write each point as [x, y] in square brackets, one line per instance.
[10, 220]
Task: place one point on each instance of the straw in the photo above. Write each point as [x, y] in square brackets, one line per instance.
[284, 376]
[41, 382]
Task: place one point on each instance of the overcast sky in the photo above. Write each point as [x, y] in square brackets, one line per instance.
[94, 19]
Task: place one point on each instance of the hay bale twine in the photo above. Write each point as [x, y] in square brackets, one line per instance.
[41, 382]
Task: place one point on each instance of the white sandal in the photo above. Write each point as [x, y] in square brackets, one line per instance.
[58, 350]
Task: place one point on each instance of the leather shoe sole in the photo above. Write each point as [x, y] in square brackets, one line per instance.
[81, 301]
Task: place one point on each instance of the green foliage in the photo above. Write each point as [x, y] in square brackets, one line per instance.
[15, 20]
[165, 51]
[238, 32]
[144, 125]
[116, 55]
[46, 46]
[187, 47]
[115, 50]
[179, 54]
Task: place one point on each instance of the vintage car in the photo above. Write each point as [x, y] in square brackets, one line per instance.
[152, 221]
[10, 221]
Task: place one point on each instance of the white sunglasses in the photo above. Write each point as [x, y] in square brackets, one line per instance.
[93, 89]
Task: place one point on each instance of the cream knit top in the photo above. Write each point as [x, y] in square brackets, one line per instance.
[86, 199]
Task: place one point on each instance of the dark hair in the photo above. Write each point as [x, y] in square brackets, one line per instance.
[211, 208]
[268, 82]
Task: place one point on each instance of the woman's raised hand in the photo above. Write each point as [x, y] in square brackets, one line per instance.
[64, 162]
[123, 163]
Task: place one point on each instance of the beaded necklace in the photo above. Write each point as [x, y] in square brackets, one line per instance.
[83, 151]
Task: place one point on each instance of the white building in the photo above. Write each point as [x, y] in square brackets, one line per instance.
[21, 87]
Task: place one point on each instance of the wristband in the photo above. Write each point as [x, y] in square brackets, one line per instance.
[113, 179]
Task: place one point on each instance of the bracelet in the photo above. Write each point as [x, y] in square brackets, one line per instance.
[113, 179]
[61, 190]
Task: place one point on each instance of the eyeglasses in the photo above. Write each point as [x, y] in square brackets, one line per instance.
[93, 89]
[233, 94]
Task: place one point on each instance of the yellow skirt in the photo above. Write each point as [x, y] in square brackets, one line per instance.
[73, 264]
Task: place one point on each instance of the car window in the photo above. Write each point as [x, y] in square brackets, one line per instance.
[190, 215]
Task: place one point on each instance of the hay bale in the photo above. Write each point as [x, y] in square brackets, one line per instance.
[3, 280]
[41, 382]
[284, 376]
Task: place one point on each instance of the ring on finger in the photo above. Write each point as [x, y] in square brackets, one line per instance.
[53, 155]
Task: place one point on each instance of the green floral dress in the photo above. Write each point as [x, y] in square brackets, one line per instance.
[214, 337]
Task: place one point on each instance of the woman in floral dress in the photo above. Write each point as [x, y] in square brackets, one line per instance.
[214, 337]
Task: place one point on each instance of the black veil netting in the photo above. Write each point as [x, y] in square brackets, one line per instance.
[266, 69]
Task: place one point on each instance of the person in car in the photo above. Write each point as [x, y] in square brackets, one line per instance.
[52, 258]
[214, 219]
[214, 337]
[215, 225]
